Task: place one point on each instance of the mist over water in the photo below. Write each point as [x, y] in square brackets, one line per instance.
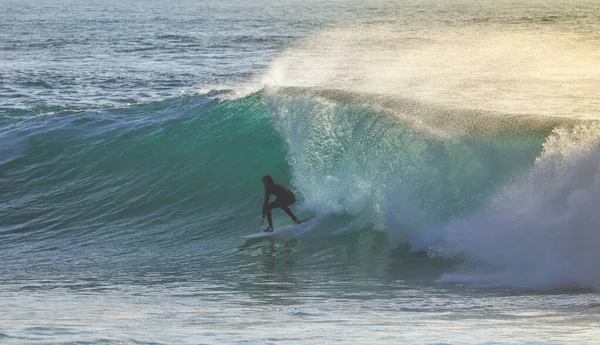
[536, 70]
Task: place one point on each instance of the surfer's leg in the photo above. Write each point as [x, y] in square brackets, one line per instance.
[286, 208]
[270, 219]
[270, 206]
[291, 214]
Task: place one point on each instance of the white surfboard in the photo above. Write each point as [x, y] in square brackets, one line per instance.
[287, 229]
[281, 233]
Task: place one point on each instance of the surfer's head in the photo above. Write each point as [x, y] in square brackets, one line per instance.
[267, 180]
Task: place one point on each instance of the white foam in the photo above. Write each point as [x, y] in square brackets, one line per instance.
[228, 91]
[543, 232]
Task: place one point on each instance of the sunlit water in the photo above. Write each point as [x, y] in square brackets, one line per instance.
[128, 176]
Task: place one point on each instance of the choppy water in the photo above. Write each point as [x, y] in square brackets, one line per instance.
[449, 151]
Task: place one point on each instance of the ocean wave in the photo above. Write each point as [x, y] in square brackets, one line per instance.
[513, 198]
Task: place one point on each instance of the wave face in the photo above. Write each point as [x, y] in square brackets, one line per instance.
[348, 157]
[149, 174]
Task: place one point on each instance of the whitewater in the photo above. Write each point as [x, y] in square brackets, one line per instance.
[449, 151]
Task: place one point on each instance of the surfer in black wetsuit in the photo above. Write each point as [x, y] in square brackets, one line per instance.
[283, 198]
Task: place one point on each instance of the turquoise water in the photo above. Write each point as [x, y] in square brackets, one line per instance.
[448, 151]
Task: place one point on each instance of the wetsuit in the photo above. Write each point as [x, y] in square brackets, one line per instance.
[283, 198]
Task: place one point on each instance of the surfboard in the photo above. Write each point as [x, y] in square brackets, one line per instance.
[284, 232]
[280, 230]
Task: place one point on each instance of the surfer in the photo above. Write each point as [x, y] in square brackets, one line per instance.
[283, 198]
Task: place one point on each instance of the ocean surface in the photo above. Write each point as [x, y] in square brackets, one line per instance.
[449, 151]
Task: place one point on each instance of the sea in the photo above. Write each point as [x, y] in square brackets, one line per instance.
[448, 150]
